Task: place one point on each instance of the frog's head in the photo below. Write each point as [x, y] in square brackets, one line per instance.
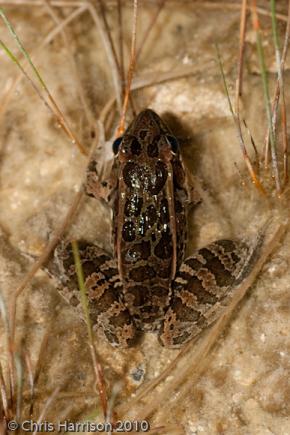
[146, 137]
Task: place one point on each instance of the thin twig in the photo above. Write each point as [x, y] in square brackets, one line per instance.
[130, 70]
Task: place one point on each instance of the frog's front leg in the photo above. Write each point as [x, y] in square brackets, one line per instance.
[101, 185]
[203, 286]
[104, 290]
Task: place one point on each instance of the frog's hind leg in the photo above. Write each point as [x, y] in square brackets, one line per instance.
[104, 290]
[203, 286]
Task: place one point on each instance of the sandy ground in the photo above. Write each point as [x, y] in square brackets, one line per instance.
[245, 388]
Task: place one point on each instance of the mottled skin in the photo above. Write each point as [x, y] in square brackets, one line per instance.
[146, 285]
[149, 217]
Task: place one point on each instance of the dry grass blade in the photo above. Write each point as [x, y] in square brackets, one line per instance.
[256, 162]
[130, 71]
[54, 108]
[111, 58]
[109, 36]
[201, 4]
[34, 378]
[4, 397]
[84, 300]
[256, 27]
[121, 51]
[149, 29]
[10, 384]
[43, 258]
[19, 383]
[28, 364]
[236, 119]
[203, 350]
[278, 90]
[51, 35]
[80, 90]
[45, 408]
[280, 86]
[239, 84]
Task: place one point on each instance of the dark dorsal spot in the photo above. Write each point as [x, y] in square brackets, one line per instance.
[164, 249]
[128, 231]
[230, 247]
[139, 251]
[94, 287]
[110, 272]
[152, 148]
[159, 179]
[164, 212]
[143, 134]
[194, 263]
[227, 245]
[184, 312]
[131, 174]
[196, 287]
[142, 273]
[213, 263]
[136, 147]
[133, 206]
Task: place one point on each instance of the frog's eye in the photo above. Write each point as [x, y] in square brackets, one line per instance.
[173, 143]
[116, 144]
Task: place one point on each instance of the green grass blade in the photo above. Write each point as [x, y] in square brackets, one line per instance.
[21, 47]
[265, 83]
[82, 288]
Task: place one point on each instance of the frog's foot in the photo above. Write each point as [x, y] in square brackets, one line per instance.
[104, 290]
[202, 288]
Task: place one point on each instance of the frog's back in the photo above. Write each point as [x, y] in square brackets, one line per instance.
[149, 217]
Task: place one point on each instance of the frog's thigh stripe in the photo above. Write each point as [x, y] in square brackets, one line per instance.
[104, 291]
[202, 287]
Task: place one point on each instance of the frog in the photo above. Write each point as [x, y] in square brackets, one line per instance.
[147, 284]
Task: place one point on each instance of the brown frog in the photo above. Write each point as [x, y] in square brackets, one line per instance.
[147, 285]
